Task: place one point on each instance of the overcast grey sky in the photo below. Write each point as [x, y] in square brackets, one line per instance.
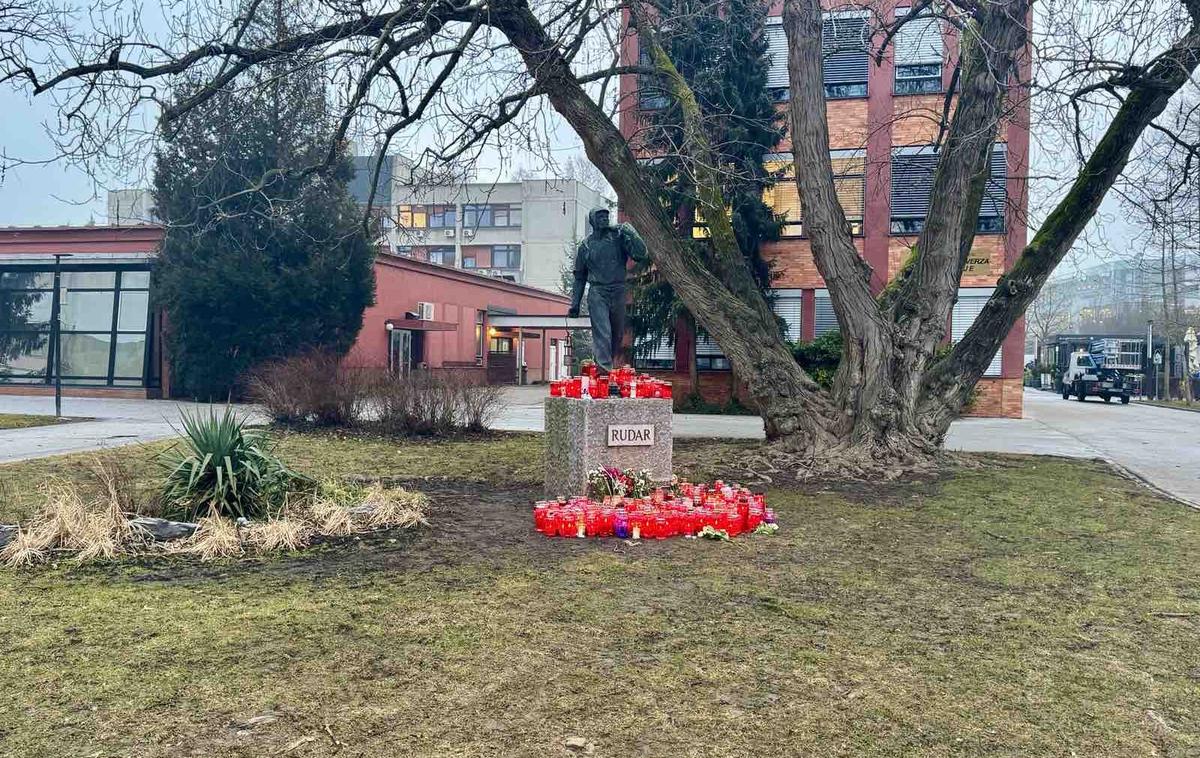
[56, 193]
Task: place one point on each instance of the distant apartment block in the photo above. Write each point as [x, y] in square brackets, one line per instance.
[131, 207]
[521, 231]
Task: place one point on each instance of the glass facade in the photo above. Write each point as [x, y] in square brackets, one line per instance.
[105, 320]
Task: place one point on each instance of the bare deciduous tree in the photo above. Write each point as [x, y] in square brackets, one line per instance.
[1049, 313]
[455, 75]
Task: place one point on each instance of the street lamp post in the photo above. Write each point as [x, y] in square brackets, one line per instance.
[1150, 357]
[56, 332]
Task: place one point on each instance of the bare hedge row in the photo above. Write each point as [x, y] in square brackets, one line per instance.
[317, 389]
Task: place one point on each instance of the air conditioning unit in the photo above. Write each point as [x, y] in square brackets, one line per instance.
[449, 234]
[425, 311]
[468, 233]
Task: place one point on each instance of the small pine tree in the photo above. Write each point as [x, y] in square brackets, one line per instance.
[721, 50]
[258, 261]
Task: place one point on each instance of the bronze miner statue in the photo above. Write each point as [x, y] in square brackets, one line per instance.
[601, 264]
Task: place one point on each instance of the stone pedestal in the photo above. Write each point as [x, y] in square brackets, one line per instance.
[582, 435]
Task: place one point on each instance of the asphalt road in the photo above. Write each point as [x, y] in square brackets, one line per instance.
[1161, 445]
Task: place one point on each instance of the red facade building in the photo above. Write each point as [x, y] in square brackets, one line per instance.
[883, 122]
[426, 315]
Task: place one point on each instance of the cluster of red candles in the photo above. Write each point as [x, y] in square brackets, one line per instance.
[622, 382]
[682, 511]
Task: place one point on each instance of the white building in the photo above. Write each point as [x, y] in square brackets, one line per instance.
[522, 231]
[131, 207]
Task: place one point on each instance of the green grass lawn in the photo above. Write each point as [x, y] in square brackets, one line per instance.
[1018, 607]
[1177, 404]
[24, 420]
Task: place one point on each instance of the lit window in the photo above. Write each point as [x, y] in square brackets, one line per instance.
[412, 217]
[848, 181]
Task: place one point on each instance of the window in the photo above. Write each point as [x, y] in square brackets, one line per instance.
[501, 345]
[967, 308]
[844, 38]
[468, 261]
[105, 320]
[652, 355]
[777, 51]
[918, 54]
[995, 194]
[787, 306]
[411, 217]
[651, 95]
[709, 356]
[506, 256]
[783, 196]
[426, 216]
[480, 334]
[849, 170]
[493, 214]
[824, 317]
[443, 255]
[912, 184]
[848, 180]
[442, 216]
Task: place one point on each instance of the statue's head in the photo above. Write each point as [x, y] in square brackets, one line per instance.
[599, 219]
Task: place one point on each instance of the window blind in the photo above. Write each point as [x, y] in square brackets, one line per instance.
[777, 72]
[706, 345]
[919, 41]
[787, 305]
[995, 195]
[844, 46]
[824, 318]
[655, 352]
[912, 182]
[967, 308]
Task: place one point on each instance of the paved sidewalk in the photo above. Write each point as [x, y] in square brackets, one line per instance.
[111, 423]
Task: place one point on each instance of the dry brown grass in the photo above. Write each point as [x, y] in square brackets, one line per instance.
[215, 537]
[90, 519]
[286, 533]
[395, 507]
[90, 527]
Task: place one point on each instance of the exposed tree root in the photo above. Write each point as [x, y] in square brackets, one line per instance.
[781, 461]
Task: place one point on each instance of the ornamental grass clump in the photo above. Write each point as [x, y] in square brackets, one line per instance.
[394, 507]
[90, 527]
[285, 533]
[221, 468]
[215, 537]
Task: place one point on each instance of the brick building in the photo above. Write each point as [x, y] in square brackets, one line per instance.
[883, 121]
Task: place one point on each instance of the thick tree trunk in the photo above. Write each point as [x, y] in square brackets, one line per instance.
[892, 402]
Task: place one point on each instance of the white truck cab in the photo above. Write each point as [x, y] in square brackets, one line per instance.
[1083, 377]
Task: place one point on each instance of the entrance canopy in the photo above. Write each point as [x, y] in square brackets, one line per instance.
[506, 321]
[420, 325]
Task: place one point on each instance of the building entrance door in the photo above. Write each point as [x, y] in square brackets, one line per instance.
[400, 351]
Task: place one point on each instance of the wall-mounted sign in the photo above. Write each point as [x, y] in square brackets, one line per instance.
[977, 263]
[630, 435]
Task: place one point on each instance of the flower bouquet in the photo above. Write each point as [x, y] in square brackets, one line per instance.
[609, 481]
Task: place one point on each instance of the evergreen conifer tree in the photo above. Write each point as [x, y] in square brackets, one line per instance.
[261, 259]
[721, 50]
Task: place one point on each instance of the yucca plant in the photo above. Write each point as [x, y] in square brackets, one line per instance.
[221, 468]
